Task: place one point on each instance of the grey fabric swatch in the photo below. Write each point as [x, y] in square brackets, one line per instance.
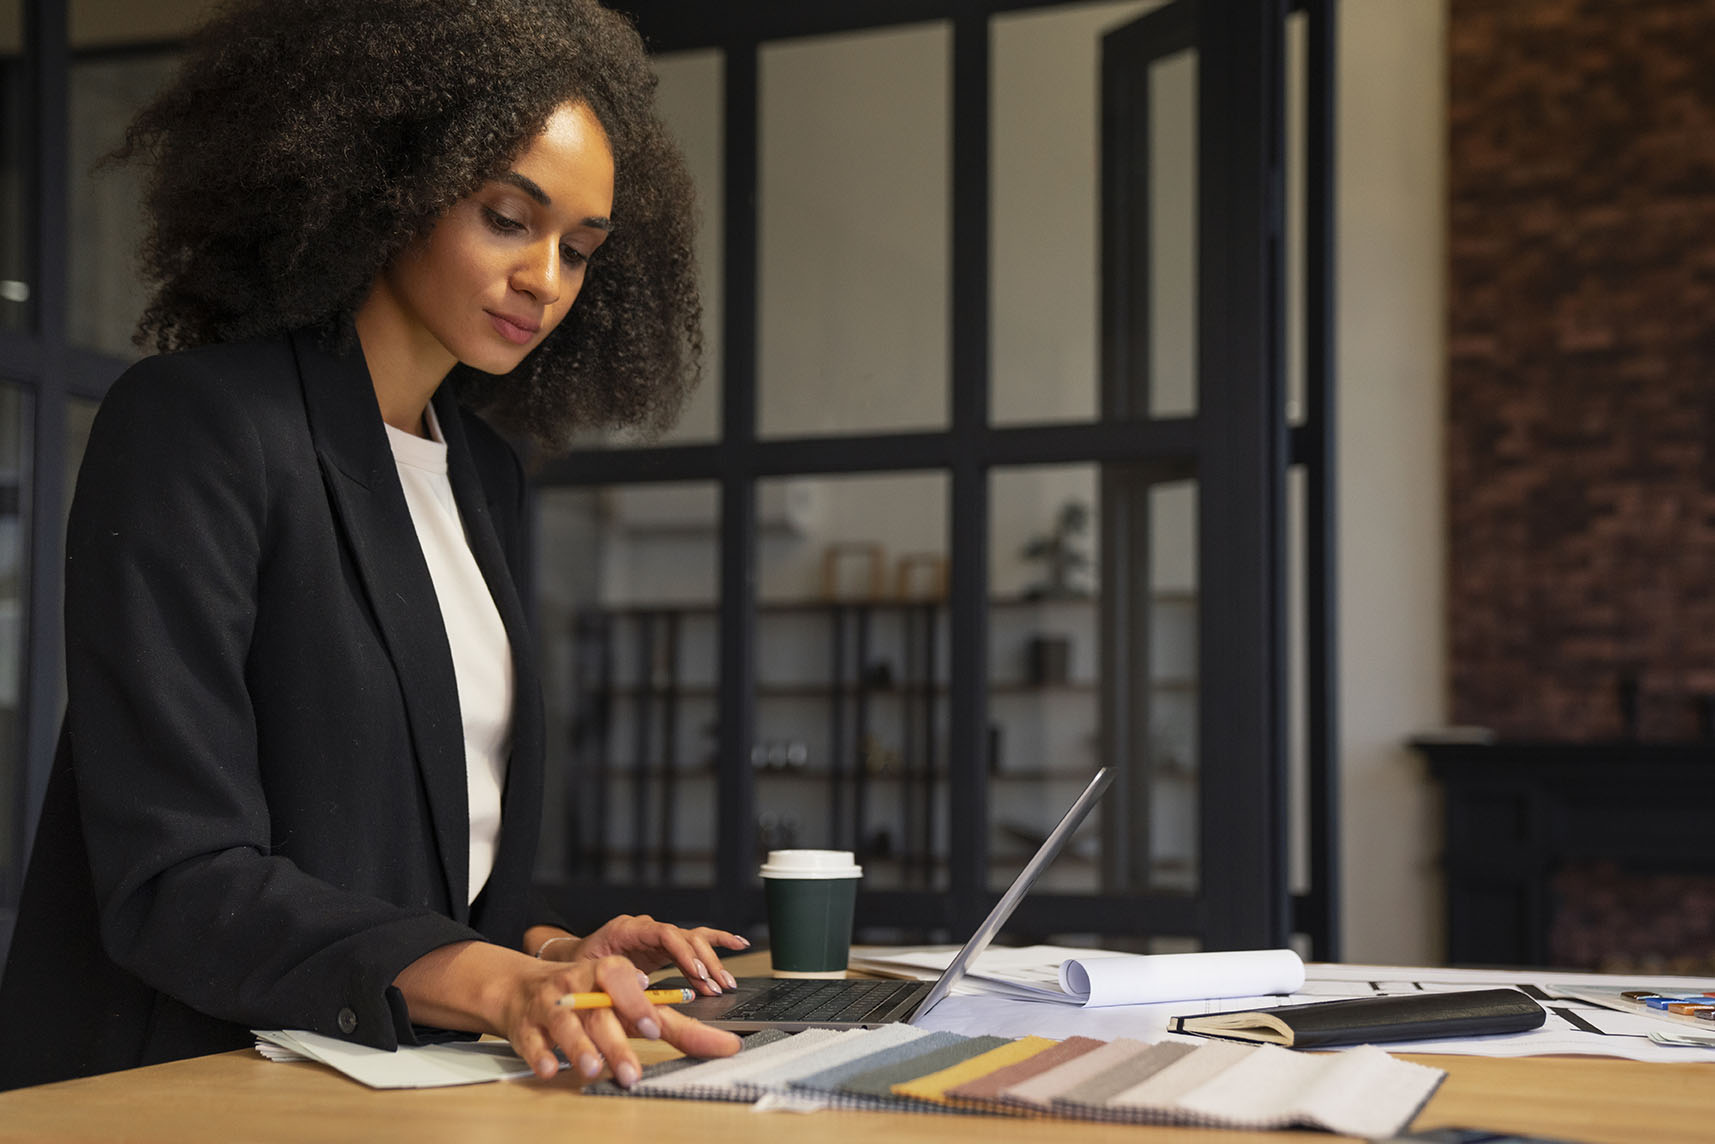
[1125, 1074]
[608, 1087]
[987, 1087]
[880, 1081]
[849, 1046]
[1039, 1090]
[831, 1080]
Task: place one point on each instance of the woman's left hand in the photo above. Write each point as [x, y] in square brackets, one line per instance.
[650, 945]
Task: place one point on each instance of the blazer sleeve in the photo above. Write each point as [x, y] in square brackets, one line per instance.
[166, 536]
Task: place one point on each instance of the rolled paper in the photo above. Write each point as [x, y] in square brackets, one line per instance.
[1152, 978]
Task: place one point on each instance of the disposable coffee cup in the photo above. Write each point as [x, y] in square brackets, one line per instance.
[810, 895]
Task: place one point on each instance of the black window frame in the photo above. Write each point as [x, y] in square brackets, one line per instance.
[1246, 34]
[1246, 446]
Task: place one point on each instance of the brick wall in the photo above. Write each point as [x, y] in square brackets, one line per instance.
[1581, 363]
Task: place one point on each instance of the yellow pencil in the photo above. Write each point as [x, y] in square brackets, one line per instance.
[603, 1001]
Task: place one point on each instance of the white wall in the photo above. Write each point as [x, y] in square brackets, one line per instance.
[1392, 192]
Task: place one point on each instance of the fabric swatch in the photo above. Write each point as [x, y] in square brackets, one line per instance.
[1127, 1074]
[1358, 1092]
[848, 1046]
[879, 1082]
[716, 1079]
[1156, 1089]
[933, 1086]
[984, 1089]
[830, 1079]
[608, 1087]
[1039, 1091]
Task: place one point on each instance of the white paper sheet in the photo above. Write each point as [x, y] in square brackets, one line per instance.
[412, 1066]
[1095, 977]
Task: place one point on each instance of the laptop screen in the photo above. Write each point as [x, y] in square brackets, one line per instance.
[998, 916]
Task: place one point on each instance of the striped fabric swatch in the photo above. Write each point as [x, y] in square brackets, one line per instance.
[844, 1049]
[1149, 1080]
[717, 1079]
[1359, 1092]
[933, 1086]
[831, 1078]
[983, 1092]
[874, 1087]
[1039, 1091]
[606, 1087]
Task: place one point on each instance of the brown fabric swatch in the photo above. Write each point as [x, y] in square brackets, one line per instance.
[987, 1087]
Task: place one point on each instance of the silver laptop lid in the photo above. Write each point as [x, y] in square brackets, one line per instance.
[1015, 893]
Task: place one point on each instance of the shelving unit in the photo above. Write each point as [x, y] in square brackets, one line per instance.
[855, 695]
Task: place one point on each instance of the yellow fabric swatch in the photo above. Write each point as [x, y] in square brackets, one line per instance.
[934, 1086]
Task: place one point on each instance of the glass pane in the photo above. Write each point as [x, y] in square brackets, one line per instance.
[1173, 236]
[1297, 77]
[17, 266]
[1081, 675]
[626, 588]
[1170, 758]
[1297, 683]
[107, 296]
[853, 251]
[691, 100]
[1044, 669]
[852, 654]
[15, 492]
[1045, 236]
[112, 23]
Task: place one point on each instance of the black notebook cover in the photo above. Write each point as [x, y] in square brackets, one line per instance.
[1373, 1020]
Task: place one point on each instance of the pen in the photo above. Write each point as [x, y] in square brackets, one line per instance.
[603, 1001]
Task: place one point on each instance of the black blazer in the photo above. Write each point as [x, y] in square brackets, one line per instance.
[257, 812]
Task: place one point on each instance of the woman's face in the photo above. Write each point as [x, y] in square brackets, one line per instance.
[499, 271]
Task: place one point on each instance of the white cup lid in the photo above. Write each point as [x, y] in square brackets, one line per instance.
[811, 864]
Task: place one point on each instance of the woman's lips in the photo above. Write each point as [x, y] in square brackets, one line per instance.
[514, 330]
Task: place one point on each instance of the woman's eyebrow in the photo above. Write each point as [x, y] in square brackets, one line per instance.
[530, 187]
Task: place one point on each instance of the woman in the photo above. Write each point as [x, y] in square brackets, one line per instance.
[300, 776]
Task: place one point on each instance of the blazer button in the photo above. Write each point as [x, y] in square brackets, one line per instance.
[347, 1021]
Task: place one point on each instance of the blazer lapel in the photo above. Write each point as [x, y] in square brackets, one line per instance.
[363, 483]
[521, 801]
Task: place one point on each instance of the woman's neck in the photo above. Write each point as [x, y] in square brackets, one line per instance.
[406, 364]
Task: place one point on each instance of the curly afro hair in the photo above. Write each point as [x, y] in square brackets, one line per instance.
[304, 144]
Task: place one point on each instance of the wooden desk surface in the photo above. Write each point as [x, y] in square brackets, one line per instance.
[241, 1096]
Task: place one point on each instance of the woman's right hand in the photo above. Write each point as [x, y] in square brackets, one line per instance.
[479, 987]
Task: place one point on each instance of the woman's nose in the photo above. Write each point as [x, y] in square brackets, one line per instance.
[538, 275]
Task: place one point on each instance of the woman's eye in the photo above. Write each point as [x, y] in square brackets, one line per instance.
[572, 256]
[499, 222]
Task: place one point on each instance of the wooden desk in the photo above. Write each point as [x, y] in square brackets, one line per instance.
[241, 1096]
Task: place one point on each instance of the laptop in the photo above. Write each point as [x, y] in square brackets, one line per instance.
[791, 1004]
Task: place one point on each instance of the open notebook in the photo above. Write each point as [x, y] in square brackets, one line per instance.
[792, 1004]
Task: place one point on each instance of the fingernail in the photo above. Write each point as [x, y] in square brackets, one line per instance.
[731, 981]
[702, 970]
[744, 943]
[589, 1064]
[546, 1067]
[642, 980]
[648, 1028]
[626, 1074]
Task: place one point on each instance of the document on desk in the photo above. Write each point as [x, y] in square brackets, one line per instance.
[1572, 1027]
[1095, 978]
[412, 1066]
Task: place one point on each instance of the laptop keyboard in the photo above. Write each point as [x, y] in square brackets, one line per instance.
[812, 1000]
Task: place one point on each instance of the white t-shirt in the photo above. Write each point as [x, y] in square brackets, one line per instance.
[482, 655]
